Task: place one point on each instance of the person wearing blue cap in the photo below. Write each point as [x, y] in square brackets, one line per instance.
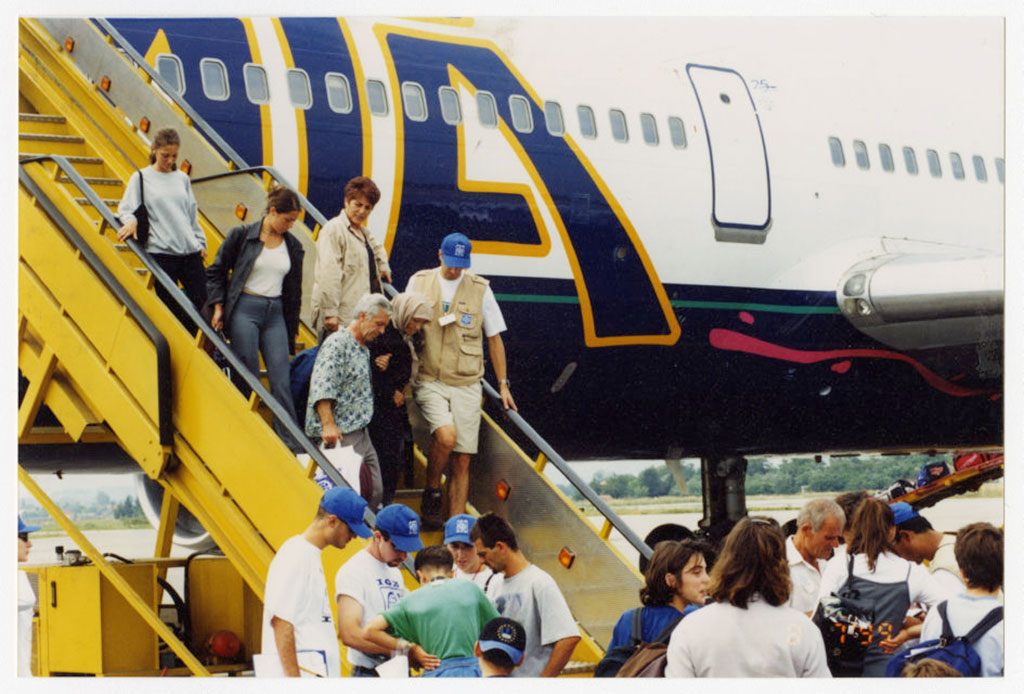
[501, 647]
[298, 628]
[468, 565]
[370, 583]
[26, 602]
[917, 541]
[447, 391]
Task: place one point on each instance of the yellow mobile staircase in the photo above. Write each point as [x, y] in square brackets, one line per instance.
[102, 352]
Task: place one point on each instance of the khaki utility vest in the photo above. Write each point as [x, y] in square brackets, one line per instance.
[453, 353]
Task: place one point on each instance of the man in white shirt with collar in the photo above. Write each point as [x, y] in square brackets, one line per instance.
[819, 527]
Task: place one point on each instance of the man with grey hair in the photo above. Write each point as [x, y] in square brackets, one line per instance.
[340, 404]
[819, 527]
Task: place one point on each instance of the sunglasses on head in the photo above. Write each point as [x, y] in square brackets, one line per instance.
[23, 536]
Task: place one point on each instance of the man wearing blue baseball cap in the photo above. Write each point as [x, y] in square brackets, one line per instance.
[501, 648]
[447, 391]
[298, 628]
[917, 541]
[26, 602]
[468, 565]
[370, 583]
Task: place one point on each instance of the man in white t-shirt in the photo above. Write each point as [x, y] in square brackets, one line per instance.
[529, 596]
[370, 583]
[917, 541]
[447, 391]
[819, 527]
[297, 624]
[26, 602]
[468, 565]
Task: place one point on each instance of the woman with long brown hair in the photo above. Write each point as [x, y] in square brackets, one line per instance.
[884, 582]
[750, 631]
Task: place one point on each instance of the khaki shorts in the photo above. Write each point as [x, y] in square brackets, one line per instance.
[441, 405]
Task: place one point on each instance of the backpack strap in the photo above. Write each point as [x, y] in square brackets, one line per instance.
[666, 633]
[947, 632]
[990, 620]
[636, 633]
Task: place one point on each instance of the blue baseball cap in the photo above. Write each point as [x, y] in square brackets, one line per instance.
[349, 507]
[403, 526]
[457, 528]
[22, 528]
[902, 512]
[506, 635]
[455, 250]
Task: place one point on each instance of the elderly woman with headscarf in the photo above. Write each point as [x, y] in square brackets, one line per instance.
[393, 368]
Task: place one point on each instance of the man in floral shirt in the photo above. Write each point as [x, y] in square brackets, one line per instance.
[341, 391]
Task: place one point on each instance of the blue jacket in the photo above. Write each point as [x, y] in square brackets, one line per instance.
[226, 276]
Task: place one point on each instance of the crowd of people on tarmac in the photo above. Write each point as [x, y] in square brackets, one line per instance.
[859, 588]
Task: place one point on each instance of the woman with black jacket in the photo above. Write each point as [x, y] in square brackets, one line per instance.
[255, 289]
[393, 368]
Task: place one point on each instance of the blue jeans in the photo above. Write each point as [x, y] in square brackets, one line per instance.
[257, 327]
[455, 667]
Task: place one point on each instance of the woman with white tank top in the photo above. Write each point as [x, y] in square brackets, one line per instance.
[255, 288]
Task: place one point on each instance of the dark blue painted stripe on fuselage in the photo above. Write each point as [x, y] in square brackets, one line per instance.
[236, 119]
[334, 140]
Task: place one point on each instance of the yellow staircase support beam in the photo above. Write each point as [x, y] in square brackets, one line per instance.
[111, 574]
[38, 382]
[59, 396]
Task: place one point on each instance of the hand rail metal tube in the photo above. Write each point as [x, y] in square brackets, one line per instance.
[277, 176]
[163, 352]
[198, 121]
[585, 489]
[183, 302]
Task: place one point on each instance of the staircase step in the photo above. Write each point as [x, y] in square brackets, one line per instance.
[109, 202]
[41, 118]
[72, 158]
[94, 180]
[45, 137]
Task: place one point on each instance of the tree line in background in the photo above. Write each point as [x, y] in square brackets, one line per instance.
[791, 476]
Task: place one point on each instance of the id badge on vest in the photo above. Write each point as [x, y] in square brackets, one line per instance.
[462, 315]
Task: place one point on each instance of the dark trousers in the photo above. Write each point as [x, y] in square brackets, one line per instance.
[389, 430]
[189, 270]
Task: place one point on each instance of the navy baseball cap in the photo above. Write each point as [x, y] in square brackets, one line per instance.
[457, 528]
[22, 528]
[455, 250]
[506, 635]
[902, 512]
[349, 507]
[403, 526]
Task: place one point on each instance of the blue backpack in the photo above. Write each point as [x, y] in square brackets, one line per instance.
[956, 651]
[301, 370]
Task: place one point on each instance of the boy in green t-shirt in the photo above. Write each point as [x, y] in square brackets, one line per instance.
[438, 624]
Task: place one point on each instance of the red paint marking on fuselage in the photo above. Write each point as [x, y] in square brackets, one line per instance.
[737, 342]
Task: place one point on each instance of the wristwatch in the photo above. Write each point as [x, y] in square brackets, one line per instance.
[505, 382]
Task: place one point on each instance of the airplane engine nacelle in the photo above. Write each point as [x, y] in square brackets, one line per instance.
[917, 301]
[188, 532]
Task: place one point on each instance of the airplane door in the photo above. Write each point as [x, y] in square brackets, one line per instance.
[740, 184]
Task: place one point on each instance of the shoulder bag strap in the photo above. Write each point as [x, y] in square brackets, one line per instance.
[666, 633]
[142, 190]
[636, 631]
[990, 620]
[947, 632]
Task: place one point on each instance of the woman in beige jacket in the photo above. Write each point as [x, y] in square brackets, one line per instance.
[350, 262]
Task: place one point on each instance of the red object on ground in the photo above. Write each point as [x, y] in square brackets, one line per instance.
[224, 644]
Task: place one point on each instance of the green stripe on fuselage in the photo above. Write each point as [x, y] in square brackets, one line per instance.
[716, 305]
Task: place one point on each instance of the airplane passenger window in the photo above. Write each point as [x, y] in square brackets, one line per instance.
[487, 109]
[215, 79]
[339, 93]
[298, 89]
[377, 97]
[522, 118]
[588, 124]
[620, 133]
[836, 148]
[934, 167]
[1001, 170]
[956, 165]
[451, 110]
[414, 100]
[256, 87]
[910, 160]
[169, 68]
[885, 154]
[979, 168]
[677, 132]
[650, 128]
[553, 118]
[860, 152]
